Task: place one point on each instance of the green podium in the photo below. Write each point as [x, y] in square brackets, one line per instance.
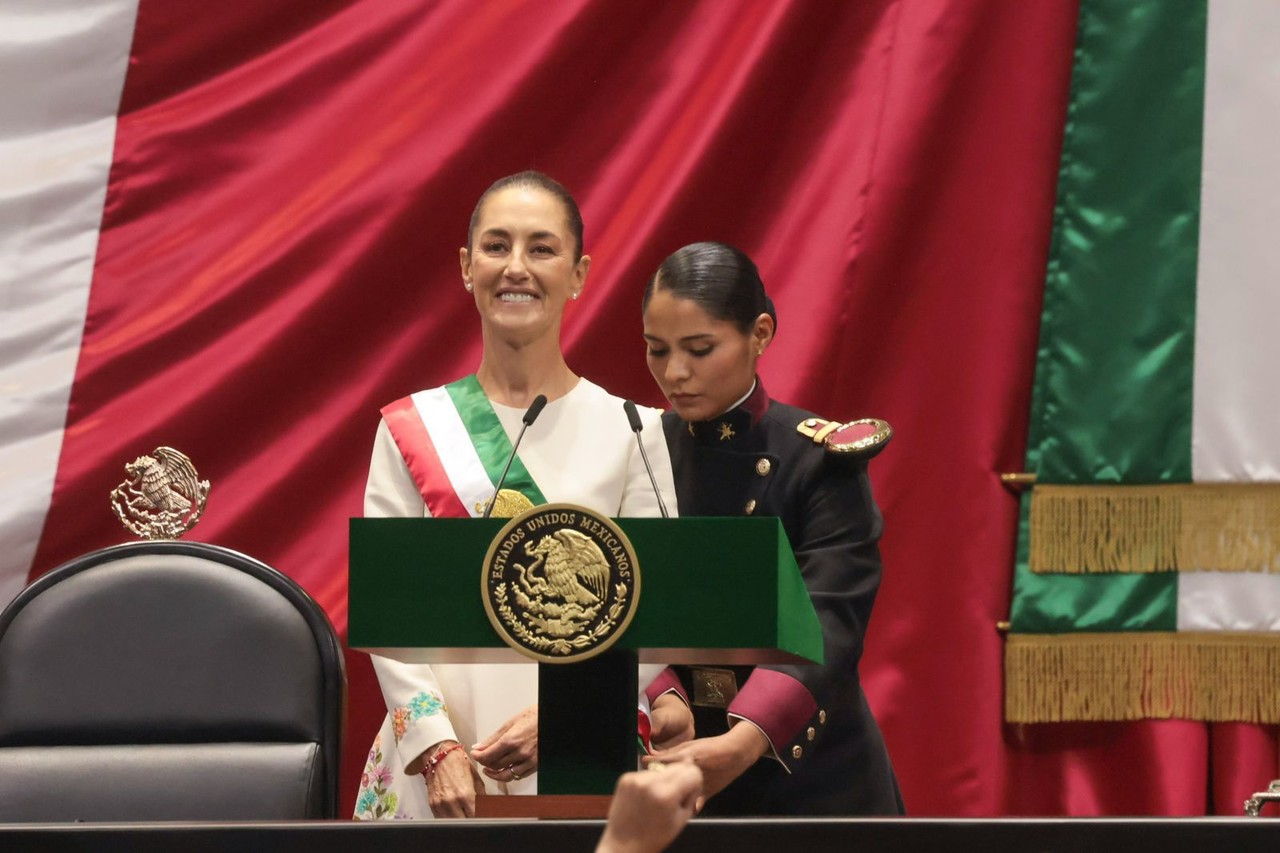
[712, 590]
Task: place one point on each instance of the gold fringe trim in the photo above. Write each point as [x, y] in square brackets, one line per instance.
[1225, 527]
[1052, 678]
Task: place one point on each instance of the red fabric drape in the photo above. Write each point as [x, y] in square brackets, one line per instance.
[278, 260]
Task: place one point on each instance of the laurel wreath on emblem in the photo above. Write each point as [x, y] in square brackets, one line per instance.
[163, 497]
[560, 583]
[559, 645]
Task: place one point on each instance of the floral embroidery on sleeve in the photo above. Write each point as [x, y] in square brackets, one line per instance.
[421, 705]
[376, 800]
[400, 722]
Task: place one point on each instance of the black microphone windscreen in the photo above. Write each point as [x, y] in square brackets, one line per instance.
[633, 417]
[535, 409]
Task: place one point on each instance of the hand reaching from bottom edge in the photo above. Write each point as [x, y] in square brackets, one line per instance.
[650, 808]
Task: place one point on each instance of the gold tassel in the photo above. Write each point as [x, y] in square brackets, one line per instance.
[1214, 677]
[1227, 527]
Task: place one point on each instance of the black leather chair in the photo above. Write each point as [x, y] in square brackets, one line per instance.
[168, 681]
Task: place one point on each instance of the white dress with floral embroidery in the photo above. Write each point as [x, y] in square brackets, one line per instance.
[580, 450]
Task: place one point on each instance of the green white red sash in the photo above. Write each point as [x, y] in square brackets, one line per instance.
[455, 448]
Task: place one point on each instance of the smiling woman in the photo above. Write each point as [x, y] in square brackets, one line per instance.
[439, 453]
[523, 261]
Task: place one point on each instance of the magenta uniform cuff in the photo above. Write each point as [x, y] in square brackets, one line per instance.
[667, 682]
[778, 704]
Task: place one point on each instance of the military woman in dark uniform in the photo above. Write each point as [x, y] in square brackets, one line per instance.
[770, 740]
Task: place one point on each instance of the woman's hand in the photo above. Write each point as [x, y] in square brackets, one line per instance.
[511, 753]
[721, 759]
[671, 722]
[452, 783]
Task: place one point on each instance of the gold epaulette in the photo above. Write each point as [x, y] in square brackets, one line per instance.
[862, 438]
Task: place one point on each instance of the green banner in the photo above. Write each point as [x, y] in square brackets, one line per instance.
[1112, 395]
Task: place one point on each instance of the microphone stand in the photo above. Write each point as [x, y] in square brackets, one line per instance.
[633, 417]
[527, 419]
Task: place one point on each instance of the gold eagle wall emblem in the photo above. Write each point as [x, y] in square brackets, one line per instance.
[163, 497]
[560, 583]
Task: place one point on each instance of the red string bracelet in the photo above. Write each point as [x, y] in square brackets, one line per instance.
[430, 767]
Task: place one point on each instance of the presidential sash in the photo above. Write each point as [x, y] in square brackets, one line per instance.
[455, 448]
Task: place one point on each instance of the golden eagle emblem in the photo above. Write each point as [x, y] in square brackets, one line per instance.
[560, 583]
[163, 497]
[507, 503]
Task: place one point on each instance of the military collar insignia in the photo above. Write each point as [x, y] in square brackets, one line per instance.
[734, 425]
[726, 431]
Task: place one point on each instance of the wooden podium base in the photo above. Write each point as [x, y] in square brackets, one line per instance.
[546, 806]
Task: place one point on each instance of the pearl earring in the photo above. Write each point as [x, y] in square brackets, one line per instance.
[467, 285]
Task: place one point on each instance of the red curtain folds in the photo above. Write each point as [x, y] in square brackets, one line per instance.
[278, 259]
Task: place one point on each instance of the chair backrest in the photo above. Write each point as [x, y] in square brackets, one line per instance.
[168, 681]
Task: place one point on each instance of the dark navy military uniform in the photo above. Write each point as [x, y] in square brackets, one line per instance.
[753, 461]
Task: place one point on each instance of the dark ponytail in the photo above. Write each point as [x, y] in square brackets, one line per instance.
[721, 279]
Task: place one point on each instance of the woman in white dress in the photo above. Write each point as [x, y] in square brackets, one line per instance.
[469, 728]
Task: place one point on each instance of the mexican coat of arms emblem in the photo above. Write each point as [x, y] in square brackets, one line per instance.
[163, 497]
[560, 583]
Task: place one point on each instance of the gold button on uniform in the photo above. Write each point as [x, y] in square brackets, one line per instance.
[811, 733]
[822, 716]
[751, 506]
[796, 751]
[763, 467]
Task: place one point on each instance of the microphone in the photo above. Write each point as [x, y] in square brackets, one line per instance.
[634, 418]
[530, 415]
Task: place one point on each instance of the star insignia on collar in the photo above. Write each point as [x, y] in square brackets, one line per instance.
[726, 431]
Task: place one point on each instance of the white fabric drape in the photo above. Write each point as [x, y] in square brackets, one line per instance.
[1235, 424]
[62, 63]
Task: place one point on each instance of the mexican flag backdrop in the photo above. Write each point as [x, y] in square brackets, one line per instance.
[232, 229]
[1148, 581]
